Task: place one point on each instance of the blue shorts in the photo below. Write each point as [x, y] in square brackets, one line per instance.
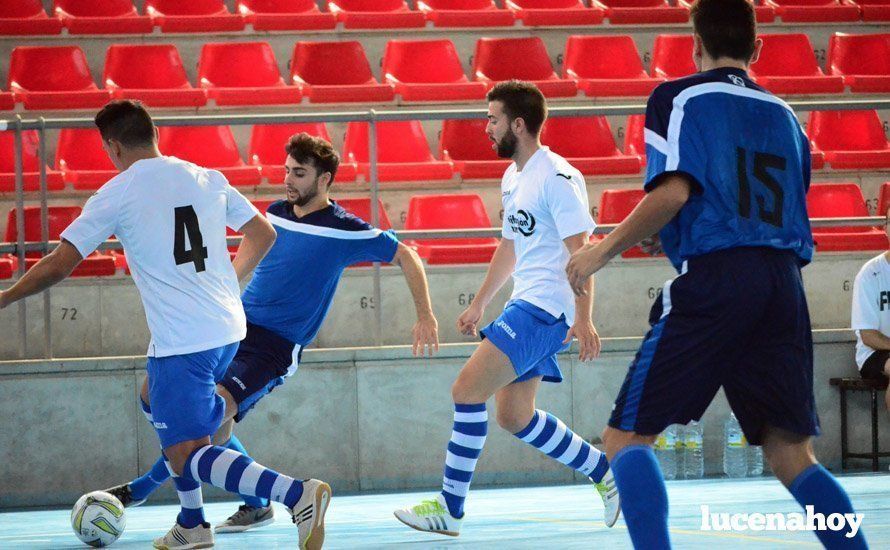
[264, 360]
[530, 337]
[182, 392]
[735, 318]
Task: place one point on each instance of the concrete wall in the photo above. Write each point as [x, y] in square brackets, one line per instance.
[363, 419]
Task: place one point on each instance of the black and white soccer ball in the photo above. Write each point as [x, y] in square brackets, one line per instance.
[98, 518]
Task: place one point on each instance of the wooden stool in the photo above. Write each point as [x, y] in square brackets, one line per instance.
[858, 384]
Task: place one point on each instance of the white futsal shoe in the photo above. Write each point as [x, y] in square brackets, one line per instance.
[180, 538]
[611, 502]
[308, 513]
[431, 516]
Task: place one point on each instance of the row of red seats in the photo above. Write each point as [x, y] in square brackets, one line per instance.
[853, 140]
[21, 17]
[425, 70]
[467, 211]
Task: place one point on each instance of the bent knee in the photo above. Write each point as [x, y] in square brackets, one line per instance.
[514, 421]
[615, 440]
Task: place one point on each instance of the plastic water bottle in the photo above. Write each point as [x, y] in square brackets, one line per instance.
[755, 461]
[681, 452]
[694, 459]
[666, 452]
[735, 447]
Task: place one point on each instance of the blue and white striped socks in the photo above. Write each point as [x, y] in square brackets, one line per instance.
[549, 435]
[238, 473]
[191, 499]
[464, 448]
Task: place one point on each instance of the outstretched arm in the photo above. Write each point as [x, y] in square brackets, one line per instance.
[52, 269]
[426, 331]
[259, 236]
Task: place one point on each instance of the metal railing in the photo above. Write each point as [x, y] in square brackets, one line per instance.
[372, 117]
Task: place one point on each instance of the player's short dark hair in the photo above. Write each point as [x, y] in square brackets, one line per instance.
[727, 28]
[307, 149]
[521, 100]
[126, 121]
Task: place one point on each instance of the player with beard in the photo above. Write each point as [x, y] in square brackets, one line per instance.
[288, 298]
[546, 218]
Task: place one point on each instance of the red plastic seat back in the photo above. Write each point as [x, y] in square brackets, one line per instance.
[603, 57]
[422, 61]
[847, 131]
[446, 212]
[617, 204]
[81, 149]
[883, 200]
[361, 207]
[22, 9]
[635, 3]
[30, 151]
[564, 136]
[372, 5]
[549, 4]
[241, 64]
[867, 54]
[466, 140]
[49, 68]
[192, 7]
[209, 146]
[505, 58]
[672, 56]
[786, 55]
[460, 4]
[331, 63]
[59, 218]
[144, 66]
[97, 8]
[397, 141]
[634, 135]
[836, 200]
[277, 6]
[267, 141]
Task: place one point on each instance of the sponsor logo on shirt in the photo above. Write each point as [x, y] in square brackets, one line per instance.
[159, 425]
[239, 382]
[737, 80]
[522, 222]
[503, 325]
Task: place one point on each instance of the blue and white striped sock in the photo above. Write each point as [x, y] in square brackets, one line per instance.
[237, 473]
[549, 435]
[235, 444]
[190, 498]
[464, 448]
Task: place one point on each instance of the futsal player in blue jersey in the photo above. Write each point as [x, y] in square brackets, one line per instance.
[728, 168]
[287, 300]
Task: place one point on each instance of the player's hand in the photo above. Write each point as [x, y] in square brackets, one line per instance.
[586, 261]
[588, 340]
[652, 245]
[469, 319]
[426, 336]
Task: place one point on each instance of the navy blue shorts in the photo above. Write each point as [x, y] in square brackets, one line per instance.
[264, 360]
[735, 318]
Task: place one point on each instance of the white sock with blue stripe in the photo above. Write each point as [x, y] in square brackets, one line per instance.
[549, 435]
[191, 499]
[238, 473]
[464, 448]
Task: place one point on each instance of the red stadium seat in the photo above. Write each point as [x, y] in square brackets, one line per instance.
[672, 56]
[814, 11]
[538, 13]
[644, 12]
[465, 13]
[244, 73]
[151, 73]
[60, 217]
[850, 139]
[634, 136]
[263, 205]
[428, 70]
[102, 17]
[842, 200]
[465, 143]
[30, 164]
[863, 60]
[607, 66]
[617, 204]
[8, 266]
[403, 153]
[593, 154]
[63, 80]
[874, 10]
[361, 208]
[285, 15]
[7, 101]
[336, 72]
[498, 59]
[376, 14]
[81, 159]
[450, 212]
[787, 65]
[193, 16]
[24, 17]
[266, 149]
[883, 200]
[211, 147]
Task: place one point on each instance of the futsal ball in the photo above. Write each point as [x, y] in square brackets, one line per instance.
[98, 518]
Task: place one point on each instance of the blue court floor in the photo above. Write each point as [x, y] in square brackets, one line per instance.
[530, 517]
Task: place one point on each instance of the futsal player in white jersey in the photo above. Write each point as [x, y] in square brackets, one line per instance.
[171, 218]
[546, 218]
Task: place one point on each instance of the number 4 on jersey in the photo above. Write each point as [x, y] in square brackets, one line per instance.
[186, 222]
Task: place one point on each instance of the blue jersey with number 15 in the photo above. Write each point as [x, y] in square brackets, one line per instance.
[746, 156]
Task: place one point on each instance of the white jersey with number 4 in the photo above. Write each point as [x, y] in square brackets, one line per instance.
[171, 217]
[543, 204]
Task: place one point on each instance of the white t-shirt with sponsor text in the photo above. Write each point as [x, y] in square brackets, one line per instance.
[871, 303]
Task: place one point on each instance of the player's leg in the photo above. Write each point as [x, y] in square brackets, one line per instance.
[517, 414]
